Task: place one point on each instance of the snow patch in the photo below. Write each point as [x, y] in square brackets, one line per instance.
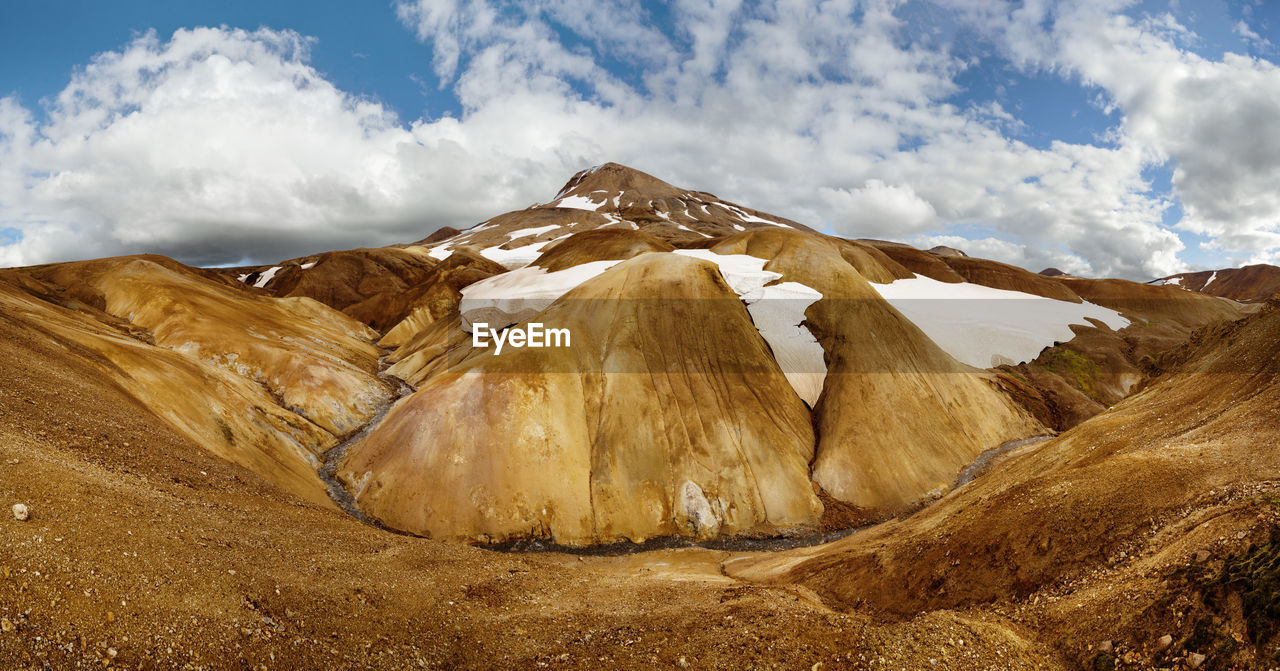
[778, 315]
[686, 228]
[515, 258]
[777, 311]
[1212, 277]
[308, 265]
[577, 203]
[440, 252]
[744, 274]
[984, 327]
[266, 277]
[502, 300]
[525, 232]
[753, 218]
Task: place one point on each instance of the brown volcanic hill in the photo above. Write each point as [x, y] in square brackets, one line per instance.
[600, 245]
[321, 365]
[951, 265]
[1250, 283]
[865, 457]
[1011, 278]
[613, 196]
[880, 368]
[358, 282]
[1123, 522]
[637, 196]
[210, 405]
[519, 449]
[917, 260]
[1075, 380]
[443, 233]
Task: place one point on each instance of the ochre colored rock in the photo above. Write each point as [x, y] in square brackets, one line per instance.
[665, 417]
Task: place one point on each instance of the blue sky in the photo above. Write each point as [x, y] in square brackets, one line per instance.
[1070, 133]
[360, 46]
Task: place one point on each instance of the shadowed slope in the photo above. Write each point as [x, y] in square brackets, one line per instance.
[1147, 484]
[1250, 283]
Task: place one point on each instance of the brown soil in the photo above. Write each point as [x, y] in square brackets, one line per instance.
[1115, 531]
[143, 551]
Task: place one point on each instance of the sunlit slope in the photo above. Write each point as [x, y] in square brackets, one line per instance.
[216, 408]
[319, 363]
[1144, 477]
[667, 416]
[898, 417]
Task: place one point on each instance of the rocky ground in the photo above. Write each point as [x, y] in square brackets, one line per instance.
[141, 551]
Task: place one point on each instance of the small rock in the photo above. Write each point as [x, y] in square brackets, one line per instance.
[1164, 642]
[111, 617]
[20, 512]
[1195, 659]
[1105, 646]
[5, 625]
[1202, 556]
[682, 663]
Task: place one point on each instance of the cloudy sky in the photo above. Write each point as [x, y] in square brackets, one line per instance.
[1103, 137]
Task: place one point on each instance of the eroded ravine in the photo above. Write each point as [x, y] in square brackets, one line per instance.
[979, 466]
[333, 456]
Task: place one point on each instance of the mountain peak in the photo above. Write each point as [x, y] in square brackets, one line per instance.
[616, 178]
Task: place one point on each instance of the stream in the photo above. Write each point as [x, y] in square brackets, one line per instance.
[979, 465]
[329, 466]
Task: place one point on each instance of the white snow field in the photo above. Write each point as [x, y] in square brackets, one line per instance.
[577, 203]
[985, 327]
[266, 277]
[512, 297]
[515, 258]
[525, 232]
[778, 314]
[777, 311]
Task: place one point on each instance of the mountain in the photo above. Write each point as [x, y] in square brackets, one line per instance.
[812, 350]
[1250, 283]
[286, 464]
[1126, 520]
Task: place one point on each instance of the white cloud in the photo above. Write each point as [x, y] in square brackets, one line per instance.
[219, 144]
[880, 209]
[1210, 121]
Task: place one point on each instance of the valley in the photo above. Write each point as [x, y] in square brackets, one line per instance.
[761, 447]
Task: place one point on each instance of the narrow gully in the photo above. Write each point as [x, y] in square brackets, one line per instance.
[333, 456]
[979, 466]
